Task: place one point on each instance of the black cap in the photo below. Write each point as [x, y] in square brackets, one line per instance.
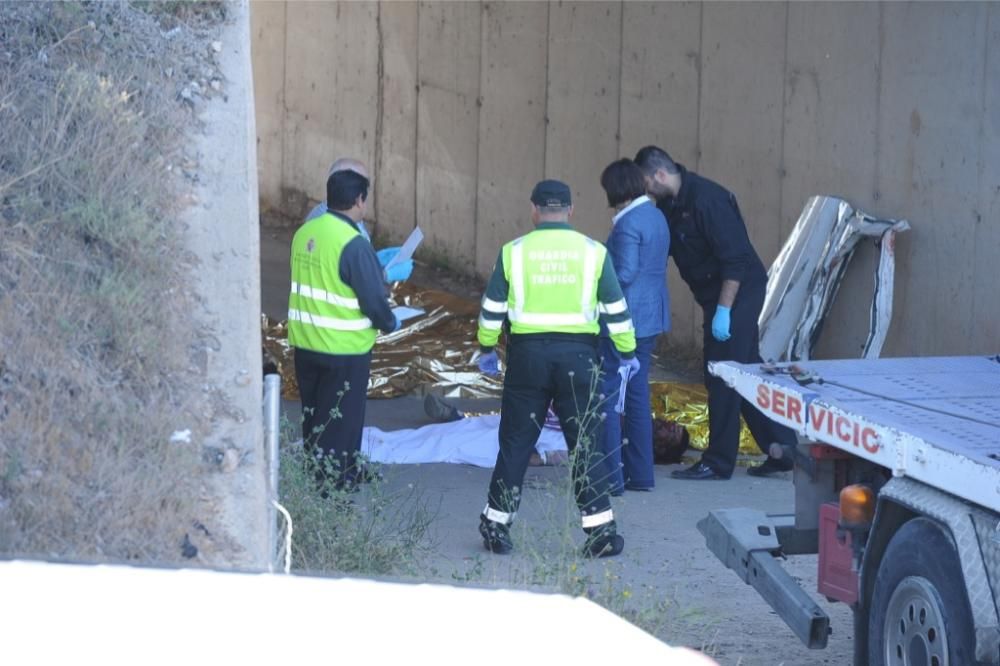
[553, 193]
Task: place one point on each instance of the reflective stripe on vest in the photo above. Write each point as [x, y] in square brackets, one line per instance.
[323, 295]
[330, 322]
[549, 315]
[335, 323]
[323, 311]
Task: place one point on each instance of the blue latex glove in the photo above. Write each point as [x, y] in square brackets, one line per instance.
[720, 323]
[385, 255]
[489, 363]
[400, 271]
[633, 366]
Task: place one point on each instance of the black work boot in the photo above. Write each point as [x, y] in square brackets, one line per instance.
[496, 536]
[603, 541]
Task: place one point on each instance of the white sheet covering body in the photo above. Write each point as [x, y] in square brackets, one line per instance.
[471, 441]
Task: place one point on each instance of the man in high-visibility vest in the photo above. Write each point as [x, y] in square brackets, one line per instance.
[336, 307]
[554, 286]
[399, 272]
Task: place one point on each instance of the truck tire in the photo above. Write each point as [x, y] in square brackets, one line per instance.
[920, 613]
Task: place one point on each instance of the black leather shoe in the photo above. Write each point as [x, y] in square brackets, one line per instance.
[770, 466]
[697, 472]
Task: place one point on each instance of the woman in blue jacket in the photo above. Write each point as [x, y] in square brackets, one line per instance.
[638, 244]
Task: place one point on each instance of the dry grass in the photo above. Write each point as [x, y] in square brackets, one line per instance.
[380, 530]
[94, 357]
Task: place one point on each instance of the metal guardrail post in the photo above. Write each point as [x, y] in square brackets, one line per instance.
[272, 411]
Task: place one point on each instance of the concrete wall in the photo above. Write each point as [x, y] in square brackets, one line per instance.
[461, 107]
[223, 240]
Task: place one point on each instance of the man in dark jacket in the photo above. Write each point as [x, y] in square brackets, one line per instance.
[712, 251]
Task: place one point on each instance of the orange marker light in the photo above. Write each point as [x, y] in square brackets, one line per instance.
[857, 505]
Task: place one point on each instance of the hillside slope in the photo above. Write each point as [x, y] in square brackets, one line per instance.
[112, 409]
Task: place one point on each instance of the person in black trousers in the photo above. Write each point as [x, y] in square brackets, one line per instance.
[553, 287]
[336, 307]
[710, 245]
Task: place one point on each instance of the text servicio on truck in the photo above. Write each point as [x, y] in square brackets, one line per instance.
[897, 489]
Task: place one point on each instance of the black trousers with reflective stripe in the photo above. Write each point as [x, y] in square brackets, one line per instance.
[334, 391]
[563, 372]
[725, 405]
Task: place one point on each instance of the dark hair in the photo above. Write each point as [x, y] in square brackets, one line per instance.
[343, 189]
[622, 181]
[651, 158]
[666, 449]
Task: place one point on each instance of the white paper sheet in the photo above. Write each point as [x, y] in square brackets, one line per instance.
[625, 373]
[408, 248]
[403, 313]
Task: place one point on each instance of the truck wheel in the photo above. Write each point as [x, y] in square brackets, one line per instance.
[920, 615]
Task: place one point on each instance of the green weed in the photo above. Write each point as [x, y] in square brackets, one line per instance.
[376, 530]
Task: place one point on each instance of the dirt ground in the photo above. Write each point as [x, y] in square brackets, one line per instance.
[666, 566]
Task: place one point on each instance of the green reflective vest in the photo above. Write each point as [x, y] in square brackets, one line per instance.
[323, 312]
[553, 276]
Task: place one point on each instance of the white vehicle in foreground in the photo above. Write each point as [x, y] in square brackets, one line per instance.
[117, 615]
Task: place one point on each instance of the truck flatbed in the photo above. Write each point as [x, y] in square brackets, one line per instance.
[936, 420]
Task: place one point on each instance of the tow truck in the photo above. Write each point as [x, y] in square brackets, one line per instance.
[897, 490]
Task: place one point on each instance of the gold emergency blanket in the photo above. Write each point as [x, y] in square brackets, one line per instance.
[687, 404]
[435, 349]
